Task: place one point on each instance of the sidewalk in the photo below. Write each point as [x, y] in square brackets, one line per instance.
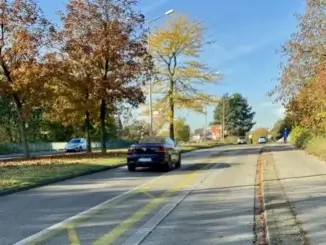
[303, 180]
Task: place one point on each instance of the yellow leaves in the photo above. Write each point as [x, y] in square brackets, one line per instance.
[180, 35]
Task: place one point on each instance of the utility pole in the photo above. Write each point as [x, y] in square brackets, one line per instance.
[223, 119]
[205, 125]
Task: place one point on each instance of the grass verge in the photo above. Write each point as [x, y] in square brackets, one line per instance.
[312, 143]
[18, 175]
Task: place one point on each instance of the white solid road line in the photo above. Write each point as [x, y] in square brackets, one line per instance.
[86, 212]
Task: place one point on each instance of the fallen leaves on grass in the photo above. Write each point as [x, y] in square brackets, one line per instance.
[24, 173]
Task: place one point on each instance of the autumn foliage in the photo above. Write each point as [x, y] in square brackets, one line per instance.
[24, 32]
[176, 47]
[79, 73]
[302, 87]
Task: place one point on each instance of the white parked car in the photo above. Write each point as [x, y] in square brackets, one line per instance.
[241, 140]
[262, 140]
[76, 145]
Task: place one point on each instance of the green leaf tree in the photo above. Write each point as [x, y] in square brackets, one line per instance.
[237, 113]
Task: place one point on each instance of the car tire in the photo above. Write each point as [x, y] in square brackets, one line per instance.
[168, 165]
[178, 163]
[131, 168]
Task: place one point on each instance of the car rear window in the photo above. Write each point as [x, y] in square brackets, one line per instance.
[152, 140]
[75, 141]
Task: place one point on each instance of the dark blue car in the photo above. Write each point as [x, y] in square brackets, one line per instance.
[154, 152]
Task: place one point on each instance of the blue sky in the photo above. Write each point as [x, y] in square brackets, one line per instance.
[247, 35]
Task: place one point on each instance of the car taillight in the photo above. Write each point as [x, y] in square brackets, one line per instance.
[160, 149]
[131, 150]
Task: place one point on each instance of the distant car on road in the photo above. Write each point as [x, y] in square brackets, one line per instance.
[242, 140]
[154, 152]
[262, 140]
[76, 145]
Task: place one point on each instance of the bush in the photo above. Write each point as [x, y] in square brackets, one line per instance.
[300, 137]
[317, 146]
[230, 139]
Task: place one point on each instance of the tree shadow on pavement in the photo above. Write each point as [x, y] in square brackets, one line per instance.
[306, 196]
[254, 150]
[206, 216]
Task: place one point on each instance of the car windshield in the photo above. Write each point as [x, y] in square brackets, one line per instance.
[74, 141]
[152, 140]
[242, 137]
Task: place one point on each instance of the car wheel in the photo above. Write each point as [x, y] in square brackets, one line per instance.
[167, 165]
[131, 168]
[178, 164]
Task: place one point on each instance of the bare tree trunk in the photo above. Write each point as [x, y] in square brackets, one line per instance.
[171, 109]
[88, 134]
[102, 125]
[22, 129]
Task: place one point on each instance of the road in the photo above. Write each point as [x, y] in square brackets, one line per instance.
[210, 200]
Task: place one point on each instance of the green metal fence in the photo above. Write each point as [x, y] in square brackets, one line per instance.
[10, 148]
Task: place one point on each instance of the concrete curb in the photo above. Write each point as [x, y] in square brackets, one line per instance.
[264, 206]
[72, 176]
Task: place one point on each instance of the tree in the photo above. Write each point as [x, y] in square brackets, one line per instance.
[181, 131]
[304, 51]
[8, 120]
[111, 40]
[135, 130]
[237, 113]
[24, 33]
[176, 47]
[279, 126]
[302, 86]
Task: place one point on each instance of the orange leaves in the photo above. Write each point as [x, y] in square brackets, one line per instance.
[302, 82]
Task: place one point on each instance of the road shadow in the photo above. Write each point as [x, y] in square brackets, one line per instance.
[246, 150]
[207, 215]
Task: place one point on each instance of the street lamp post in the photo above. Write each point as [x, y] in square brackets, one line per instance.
[171, 11]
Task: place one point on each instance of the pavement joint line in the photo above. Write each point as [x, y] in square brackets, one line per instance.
[114, 234]
[73, 236]
[140, 235]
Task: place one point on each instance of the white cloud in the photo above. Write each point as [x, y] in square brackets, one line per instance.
[276, 109]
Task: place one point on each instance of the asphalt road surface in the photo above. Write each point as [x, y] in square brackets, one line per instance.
[209, 200]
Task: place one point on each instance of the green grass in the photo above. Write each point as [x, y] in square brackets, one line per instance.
[22, 173]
